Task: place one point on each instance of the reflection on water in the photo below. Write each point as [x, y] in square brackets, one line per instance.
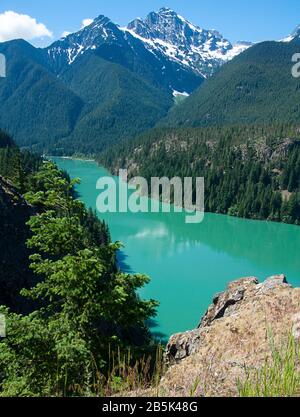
[188, 263]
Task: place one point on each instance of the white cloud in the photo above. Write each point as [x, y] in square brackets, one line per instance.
[86, 22]
[65, 34]
[15, 26]
[148, 233]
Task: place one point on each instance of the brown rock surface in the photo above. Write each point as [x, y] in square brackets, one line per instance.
[234, 335]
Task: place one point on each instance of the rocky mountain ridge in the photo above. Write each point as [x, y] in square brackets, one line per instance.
[169, 38]
[182, 41]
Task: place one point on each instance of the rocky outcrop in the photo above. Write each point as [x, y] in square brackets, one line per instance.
[235, 334]
[226, 303]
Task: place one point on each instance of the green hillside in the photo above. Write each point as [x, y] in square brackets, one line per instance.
[68, 307]
[256, 87]
[249, 171]
[118, 104]
[36, 108]
[92, 104]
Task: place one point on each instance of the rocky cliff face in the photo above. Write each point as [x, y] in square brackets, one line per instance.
[178, 39]
[124, 47]
[178, 53]
[234, 335]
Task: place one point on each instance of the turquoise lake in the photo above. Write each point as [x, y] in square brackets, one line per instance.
[189, 263]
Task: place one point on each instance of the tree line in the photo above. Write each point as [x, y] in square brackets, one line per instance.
[250, 171]
[83, 307]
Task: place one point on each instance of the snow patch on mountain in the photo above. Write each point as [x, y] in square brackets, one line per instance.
[180, 94]
[168, 33]
[177, 44]
[294, 35]
[237, 49]
[98, 32]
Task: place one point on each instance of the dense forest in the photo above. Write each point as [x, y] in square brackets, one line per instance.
[16, 170]
[16, 165]
[81, 308]
[256, 87]
[96, 99]
[249, 171]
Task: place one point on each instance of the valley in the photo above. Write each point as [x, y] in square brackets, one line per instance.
[105, 83]
[188, 264]
[136, 302]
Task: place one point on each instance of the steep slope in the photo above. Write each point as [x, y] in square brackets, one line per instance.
[14, 264]
[35, 106]
[120, 46]
[249, 171]
[171, 35]
[256, 87]
[118, 104]
[15, 170]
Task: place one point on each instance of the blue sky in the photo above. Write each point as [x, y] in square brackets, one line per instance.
[254, 20]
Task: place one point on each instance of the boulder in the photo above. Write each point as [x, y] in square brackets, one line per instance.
[236, 334]
[227, 302]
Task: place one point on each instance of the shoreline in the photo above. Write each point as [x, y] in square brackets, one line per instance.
[268, 221]
[72, 158]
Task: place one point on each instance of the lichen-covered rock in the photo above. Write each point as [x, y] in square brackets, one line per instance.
[224, 304]
[273, 281]
[234, 335]
[182, 345]
[227, 303]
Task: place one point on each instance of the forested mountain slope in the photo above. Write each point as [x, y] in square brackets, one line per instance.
[117, 104]
[94, 103]
[66, 303]
[255, 87]
[249, 171]
[35, 106]
[105, 83]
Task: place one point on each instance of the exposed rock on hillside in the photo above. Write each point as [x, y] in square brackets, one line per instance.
[234, 335]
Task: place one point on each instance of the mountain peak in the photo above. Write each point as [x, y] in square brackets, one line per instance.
[296, 32]
[164, 33]
[165, 10]
[294, 35]
[99, 20]
[91, 37]
[182, 41]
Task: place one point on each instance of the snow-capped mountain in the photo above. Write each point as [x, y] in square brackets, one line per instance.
[68, 49]
[294, 35]
[165, 48]
[180, 40]
[119, 46]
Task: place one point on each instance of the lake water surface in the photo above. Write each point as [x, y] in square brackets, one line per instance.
[189, 263]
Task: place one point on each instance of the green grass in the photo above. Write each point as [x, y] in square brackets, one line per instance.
[126, 372]
[279, 377]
